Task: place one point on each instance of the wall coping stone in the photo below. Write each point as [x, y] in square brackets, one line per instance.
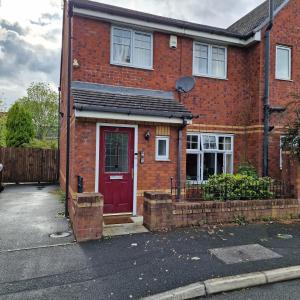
[89, 199]
[157, 196]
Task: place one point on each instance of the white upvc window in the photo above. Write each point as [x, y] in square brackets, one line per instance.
[282, 137]
[209, 60]
[208, 154]
[162, 148]
[283, 63]
[131, 48]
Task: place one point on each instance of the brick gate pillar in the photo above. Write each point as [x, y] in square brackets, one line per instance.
[87, 219]
[158, 211]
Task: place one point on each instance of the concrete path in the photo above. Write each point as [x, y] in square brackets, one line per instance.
[135, 266]
[281, 291]
[29, 214]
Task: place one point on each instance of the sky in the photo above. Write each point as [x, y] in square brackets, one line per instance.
[30, 34]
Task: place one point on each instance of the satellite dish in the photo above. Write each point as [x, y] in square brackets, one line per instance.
[185, 84]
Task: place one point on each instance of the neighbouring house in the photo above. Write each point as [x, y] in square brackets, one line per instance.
[131, 131]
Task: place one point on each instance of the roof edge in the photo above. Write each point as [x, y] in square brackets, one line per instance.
[111, 13]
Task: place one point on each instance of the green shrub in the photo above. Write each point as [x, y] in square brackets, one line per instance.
[19, 126]
[42, 144]
[237, 187]
[247, 169]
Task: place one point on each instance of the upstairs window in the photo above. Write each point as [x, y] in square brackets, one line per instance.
[210, 60]
[283, 62]
[131, 48]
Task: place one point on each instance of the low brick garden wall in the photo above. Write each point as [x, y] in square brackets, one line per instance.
[86, 214]
[161, 213]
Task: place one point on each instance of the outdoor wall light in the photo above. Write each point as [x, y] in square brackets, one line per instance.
[76, 64]
[147, 135]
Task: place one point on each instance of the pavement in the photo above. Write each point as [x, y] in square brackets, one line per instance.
[135, 266]
[281, 291]
[29, 214]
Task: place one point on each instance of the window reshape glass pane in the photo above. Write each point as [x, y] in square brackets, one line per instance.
[192, 142]
[229, 164]
[218, 62]
[208, 165]
[116, 152]
[283, 63]
[122, 41]
[192, 167]
[201, 58]
[162, 147]
[209, 142]
[220, 163]
[142, 49]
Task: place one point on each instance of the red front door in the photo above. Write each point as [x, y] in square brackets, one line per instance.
[116, 169]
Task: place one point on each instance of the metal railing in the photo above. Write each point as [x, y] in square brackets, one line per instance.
[199, 191]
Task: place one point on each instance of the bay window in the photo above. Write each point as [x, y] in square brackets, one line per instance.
[208, 154]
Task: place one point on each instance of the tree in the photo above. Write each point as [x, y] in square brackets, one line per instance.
[19, 126]
[291, 140]
[3, 118]
[42, 104]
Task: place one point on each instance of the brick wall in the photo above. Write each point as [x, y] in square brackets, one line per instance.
[160, 213]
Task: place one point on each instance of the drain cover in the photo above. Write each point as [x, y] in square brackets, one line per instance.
[40, 187]
[284, 236]
[58, 235]
[244, 253]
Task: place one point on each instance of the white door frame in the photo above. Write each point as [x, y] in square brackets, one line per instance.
[135, 161]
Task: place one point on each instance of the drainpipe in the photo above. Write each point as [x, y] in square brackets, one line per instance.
[179, 159]
[70, 15]
[266, 99]
[59, 96]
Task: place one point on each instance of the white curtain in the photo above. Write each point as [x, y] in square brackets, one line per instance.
[122, 45]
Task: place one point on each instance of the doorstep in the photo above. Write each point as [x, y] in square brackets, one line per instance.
[125, 229]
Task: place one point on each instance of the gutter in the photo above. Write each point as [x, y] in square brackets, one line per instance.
[132, 111]
[182, 28]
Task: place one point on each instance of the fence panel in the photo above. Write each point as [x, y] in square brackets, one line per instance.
[29, 165]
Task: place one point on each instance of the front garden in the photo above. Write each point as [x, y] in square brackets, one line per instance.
[244, 185]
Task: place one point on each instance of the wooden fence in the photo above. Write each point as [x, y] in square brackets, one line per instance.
[29, 165]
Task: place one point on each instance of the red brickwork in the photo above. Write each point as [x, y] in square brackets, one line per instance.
[228, 106]
[161, 214]
[86, 214]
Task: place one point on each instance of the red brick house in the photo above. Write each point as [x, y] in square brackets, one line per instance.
[131, 131]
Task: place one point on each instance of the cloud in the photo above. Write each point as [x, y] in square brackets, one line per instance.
[15, 27]
[46, 19]
[22, 62]
[30, 38]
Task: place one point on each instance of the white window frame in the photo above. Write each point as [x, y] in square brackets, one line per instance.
[201, 151]
[209, 60]
[289, 63]
[281, 138]
[132, 64]
[162, 157]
